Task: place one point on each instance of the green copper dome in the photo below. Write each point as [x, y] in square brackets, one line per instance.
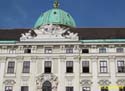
[55, 16]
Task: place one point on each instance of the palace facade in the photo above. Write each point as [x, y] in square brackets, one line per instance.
[55, 55]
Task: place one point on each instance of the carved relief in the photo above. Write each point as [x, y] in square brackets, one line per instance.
[47, 77]
[121, 82]
[50, 32]
[104, 82]
[86, 82]
[9, 82]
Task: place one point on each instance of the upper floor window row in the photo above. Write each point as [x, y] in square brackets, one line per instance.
[11, 67]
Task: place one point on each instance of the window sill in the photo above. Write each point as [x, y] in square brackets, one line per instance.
[86, 74]
[10, 75]
[25, 74]
[120, 74]
[104, 74]
[69, 74]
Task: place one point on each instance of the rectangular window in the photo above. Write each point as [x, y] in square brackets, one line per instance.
[121, 66]
[27, 50]
[8, 88]
[102, 50]
[69, 88]
[119, 50]
[47, 67]
[85, 50]
[11, 65]
[69, 66]
[26, 66]
[24, 88]
[69, 50]
[103, 66]
[48, 50]
[104, 89]
[86, 89]
[122, 88]
[85, 66]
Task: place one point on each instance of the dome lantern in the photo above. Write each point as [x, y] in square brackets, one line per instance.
[56, 4]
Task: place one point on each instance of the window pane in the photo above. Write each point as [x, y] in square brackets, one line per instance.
[47, 68]
[24, 88]
[48, 50]
[85, 63]
[26, 66]
[69, 63]
[8, 88]
[120, 50]
[47, 63]
[121, 66]
[69, 66]
[103, 66]
[86, 89]
[69, 50]
[11, 66]
[27, 50]
[85, 50]
[69, 88]
[102, 50]
[104, 88]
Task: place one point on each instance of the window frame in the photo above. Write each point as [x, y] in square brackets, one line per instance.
[11, 67]
[85, 89]
[48, 50]
[120, 50]
[122, 88]
[26, 67]
[103, 67]
[69, 50]
[121, 66]
[8, 87]
[69, 88]
[47, 67]
[85, 51]
[85, 65]
[69, 66]
[104, 88]
[102, 50]
[22, 87]
[27, 50]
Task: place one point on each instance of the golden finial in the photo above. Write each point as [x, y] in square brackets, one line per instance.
[56, 4]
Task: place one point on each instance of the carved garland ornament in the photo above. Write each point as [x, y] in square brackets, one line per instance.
[104, 82]
[86, 82]
[9, 82]
[121, 82]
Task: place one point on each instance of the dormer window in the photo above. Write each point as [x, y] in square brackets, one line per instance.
[27, 50]
[85, 50]
[48, 50]
[69, 50]
[102, 50]
[119, 50]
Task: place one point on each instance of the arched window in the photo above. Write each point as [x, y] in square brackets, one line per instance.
[47, 86]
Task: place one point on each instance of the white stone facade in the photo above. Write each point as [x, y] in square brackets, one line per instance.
[58, 56]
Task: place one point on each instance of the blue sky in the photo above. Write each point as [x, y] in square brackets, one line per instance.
[86, 13]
